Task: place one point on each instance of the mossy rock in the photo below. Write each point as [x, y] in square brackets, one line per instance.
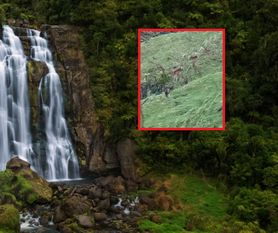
[9, 198]
[24, 184]
[9, 219]
[34, 188]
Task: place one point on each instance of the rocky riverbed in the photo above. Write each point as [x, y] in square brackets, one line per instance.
[106, 204]
[102, 206]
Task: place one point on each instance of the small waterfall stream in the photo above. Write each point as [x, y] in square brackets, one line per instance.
[61, 159]
[15, 137]
[14, 104]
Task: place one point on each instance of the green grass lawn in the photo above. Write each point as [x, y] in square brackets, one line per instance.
[197, 104]
[204, 207]
[174, 48]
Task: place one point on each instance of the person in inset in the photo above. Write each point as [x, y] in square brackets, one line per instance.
[167, 91]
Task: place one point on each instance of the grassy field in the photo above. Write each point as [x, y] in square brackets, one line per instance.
[196, 104]
[204, 207]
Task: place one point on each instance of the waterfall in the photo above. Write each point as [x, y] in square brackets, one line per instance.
[15, 137]
[4, 142]
[61, 161]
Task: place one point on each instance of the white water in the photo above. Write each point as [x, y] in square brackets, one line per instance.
[15, 137]
[61, 161]
[58, 161]
[28, 222]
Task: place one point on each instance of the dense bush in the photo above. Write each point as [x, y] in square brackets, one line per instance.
[256, 205]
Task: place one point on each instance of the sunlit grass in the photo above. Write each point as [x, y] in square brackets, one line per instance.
[203, 209]
[195, 105]
[188, 106]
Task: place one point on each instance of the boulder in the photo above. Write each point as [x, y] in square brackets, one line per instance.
[113, 184]
[105, 195]
[64, 229]
[103, 204]
[126, 154]
[95, 192]
[105, 180]
[99, 217]
[16, 164]
[76, 205]
[28, 185]
[59, 215]
[85, 221]
[44, 220]
[82, 191]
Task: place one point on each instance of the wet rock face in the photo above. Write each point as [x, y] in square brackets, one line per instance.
[88, 135]
[126, 155]
[36, 70]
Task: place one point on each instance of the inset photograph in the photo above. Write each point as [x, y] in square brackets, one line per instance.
[181, 79]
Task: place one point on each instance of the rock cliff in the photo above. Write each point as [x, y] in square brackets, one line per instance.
[94, 152]
[88, 134]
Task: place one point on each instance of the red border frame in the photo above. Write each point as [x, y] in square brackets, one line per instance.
[223, 30]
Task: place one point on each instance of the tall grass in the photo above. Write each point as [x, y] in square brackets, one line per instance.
[199, 102]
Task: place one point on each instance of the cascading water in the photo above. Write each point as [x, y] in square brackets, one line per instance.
[4, 143]
[61, 159]
[15, 137]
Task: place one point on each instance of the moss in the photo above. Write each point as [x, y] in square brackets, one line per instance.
[9, 218]
[5, 179]
[76, 228]
[5, 230]
[24, 188]
[33, 188]
[9, 198]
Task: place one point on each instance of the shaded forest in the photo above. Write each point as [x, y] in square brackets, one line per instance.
[244, 156]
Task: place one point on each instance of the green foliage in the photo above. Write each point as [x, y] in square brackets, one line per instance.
[171, 223]
[9, 219]
[201, 195]
[256, 205]
[245, 155]
[16, 189]
[203, 206]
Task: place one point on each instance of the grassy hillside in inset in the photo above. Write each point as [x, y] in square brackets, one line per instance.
[197, 104]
